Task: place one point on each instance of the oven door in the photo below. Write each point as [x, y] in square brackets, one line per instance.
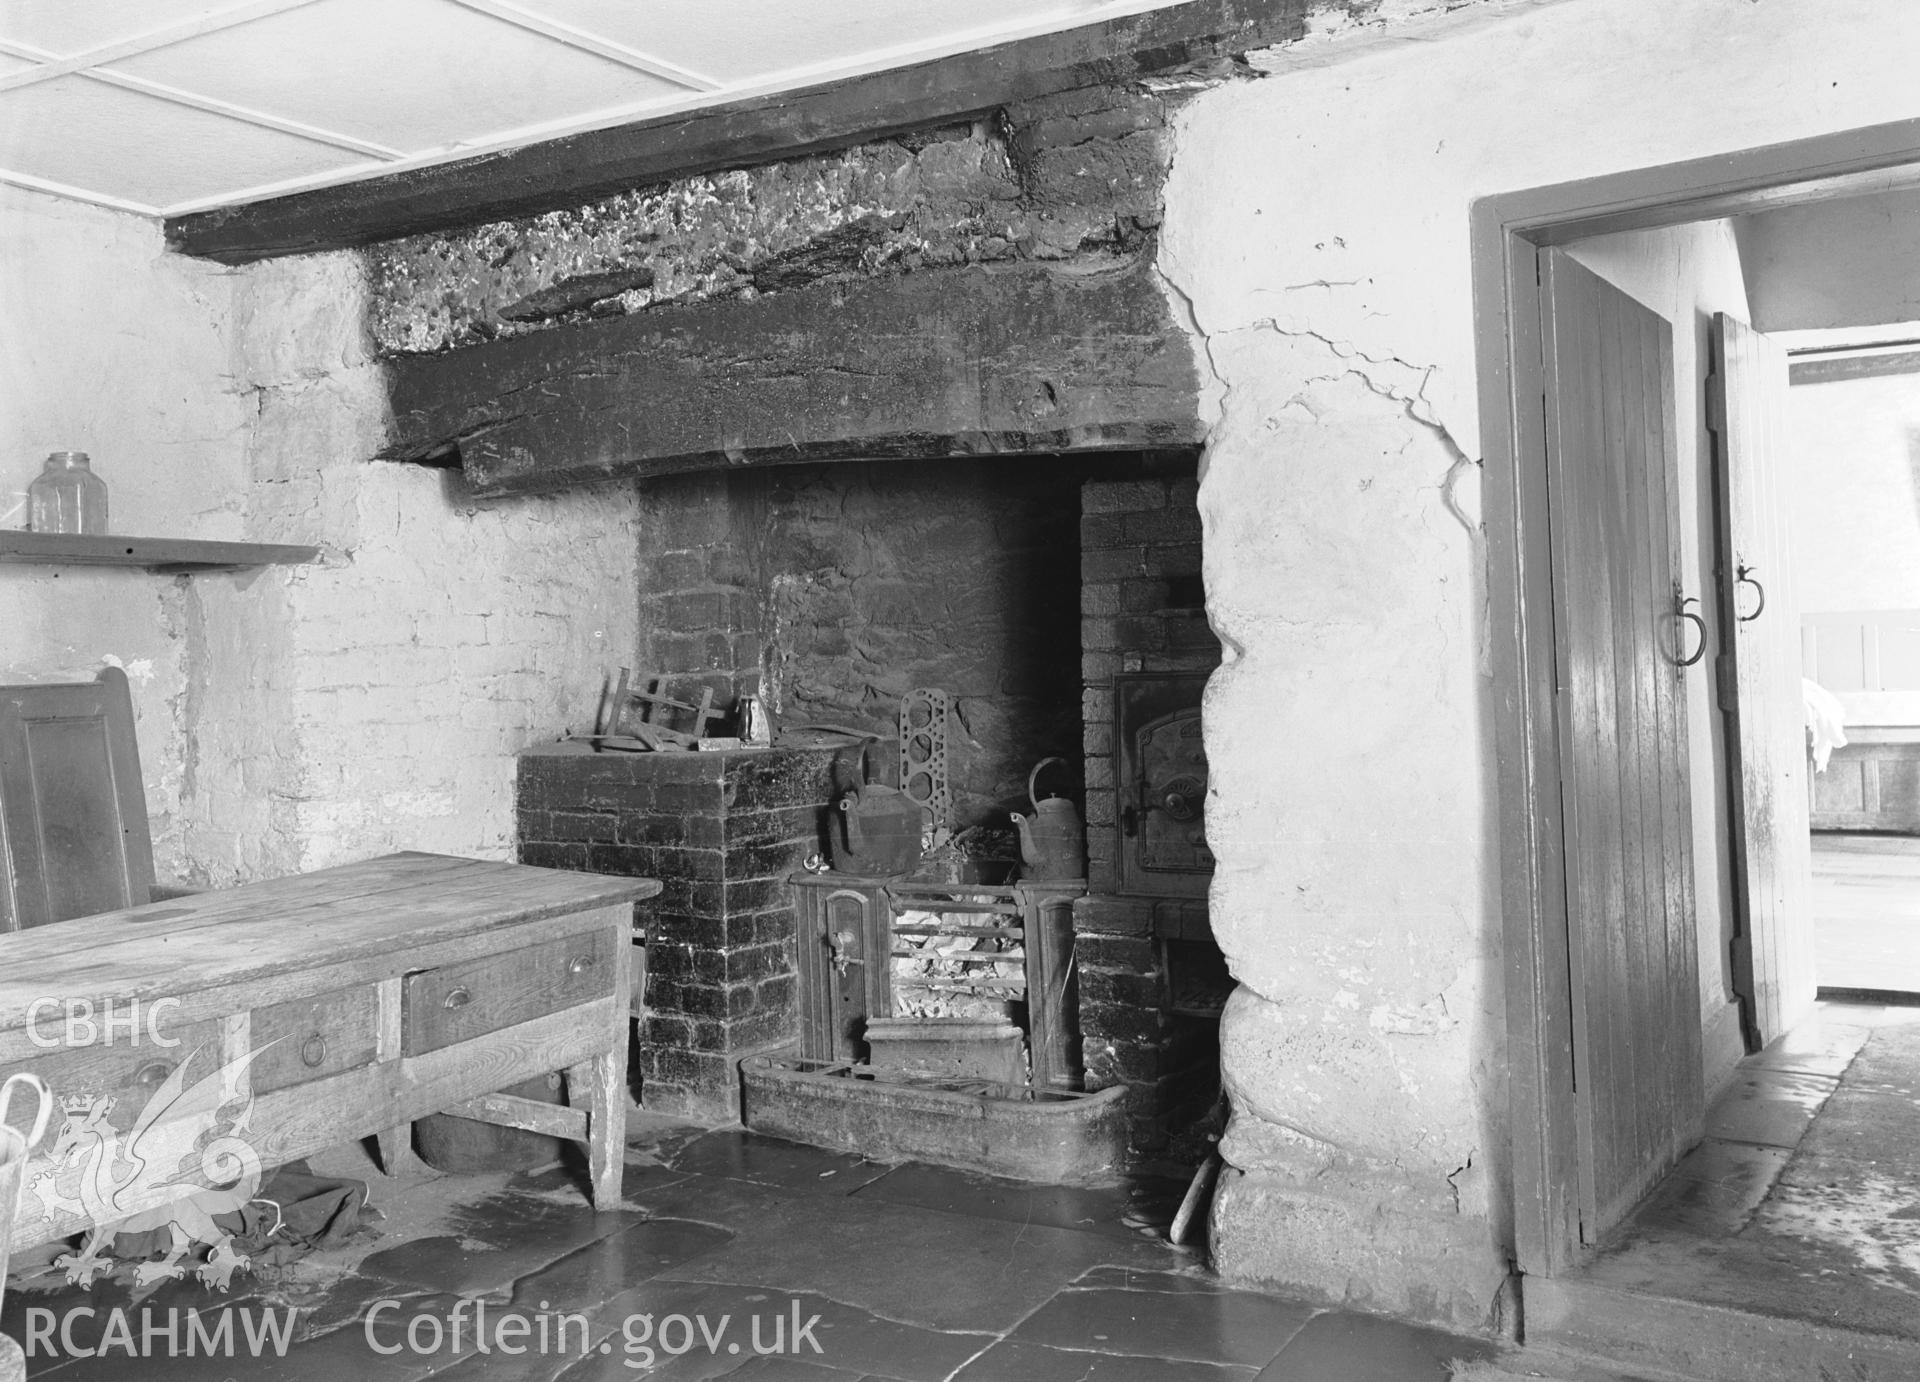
[1162, 775]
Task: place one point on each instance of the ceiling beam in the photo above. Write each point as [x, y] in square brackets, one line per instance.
[579, 168]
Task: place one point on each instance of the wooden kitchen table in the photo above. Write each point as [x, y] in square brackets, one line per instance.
[352, 1000]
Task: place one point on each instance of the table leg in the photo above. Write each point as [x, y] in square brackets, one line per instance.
[598, 1084]
[394, 1144]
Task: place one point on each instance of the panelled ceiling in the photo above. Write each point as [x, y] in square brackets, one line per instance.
[167, 107]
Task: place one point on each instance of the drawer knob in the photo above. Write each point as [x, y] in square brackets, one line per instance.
[313, 1051]
[459, 998]
[580, 964]
[152, 1073]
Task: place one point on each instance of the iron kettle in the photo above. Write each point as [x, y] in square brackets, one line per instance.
[1053, 842]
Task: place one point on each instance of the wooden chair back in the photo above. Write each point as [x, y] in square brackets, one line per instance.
[73, 812]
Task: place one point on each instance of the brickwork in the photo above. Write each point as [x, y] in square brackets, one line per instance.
[372, 701]
[701, 594]
[1141, 610]
[291, 717]
[721, 831]
[835, 590]
[1132, 1030]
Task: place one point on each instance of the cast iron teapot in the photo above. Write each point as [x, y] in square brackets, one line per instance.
[877, 833]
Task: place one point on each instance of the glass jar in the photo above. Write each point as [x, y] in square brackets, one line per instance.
[67, 497]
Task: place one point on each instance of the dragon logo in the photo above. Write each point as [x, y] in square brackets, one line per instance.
[185, 1160]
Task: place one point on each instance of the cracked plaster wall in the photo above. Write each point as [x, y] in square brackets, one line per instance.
[289, 717]
[1317, 226]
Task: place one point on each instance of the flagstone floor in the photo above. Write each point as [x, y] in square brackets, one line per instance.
[1866, 912]
[742, 1257]
[1799, 1211]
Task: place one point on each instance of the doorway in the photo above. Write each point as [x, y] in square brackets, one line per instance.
[1854, 403]
[1558, 844]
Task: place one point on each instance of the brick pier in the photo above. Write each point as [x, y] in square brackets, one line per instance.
[721, 831]
[1142, 610]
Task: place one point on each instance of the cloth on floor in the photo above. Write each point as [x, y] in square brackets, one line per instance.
[293, 1213]
[1826, 722]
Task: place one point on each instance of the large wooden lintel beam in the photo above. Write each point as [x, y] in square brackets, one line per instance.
[579, 168]
[945, 362]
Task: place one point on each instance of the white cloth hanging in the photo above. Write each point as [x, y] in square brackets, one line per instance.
[1826, 722]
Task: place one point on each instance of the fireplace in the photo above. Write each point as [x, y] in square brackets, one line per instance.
[1056, 601]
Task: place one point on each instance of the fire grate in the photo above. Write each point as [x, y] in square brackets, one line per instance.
[957, 954]
[889, 949]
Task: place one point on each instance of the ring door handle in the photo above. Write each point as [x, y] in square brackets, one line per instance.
[1681, 611]
[313, 1051]
[1744, 576]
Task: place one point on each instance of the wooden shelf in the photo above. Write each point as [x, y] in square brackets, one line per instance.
[165, 554]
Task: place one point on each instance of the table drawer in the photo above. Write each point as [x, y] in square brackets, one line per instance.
[307, 1038]
[128, 1073]
[470, 999]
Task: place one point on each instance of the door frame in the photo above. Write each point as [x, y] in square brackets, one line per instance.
[1508, 232]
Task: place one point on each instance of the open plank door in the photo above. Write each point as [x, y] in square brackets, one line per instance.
[1623, 641]
[1759, 687]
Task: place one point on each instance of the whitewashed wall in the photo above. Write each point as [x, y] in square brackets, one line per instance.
[1318, 226]
[290, 717]
[111, 346]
